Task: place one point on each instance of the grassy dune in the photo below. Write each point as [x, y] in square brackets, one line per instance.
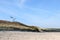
[17, 26]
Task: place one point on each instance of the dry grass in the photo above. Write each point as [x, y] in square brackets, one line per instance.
[17, 25]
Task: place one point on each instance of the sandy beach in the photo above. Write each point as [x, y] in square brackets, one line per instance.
[16, 35]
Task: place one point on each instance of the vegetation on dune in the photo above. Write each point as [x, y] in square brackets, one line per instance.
[51, 30]
[3, 28]
[16, 26]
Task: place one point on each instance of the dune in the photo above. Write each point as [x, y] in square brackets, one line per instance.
[17, 26]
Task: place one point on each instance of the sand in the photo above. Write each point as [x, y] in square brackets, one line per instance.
[16, 35]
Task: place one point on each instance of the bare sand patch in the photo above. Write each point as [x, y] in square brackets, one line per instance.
[16, 35]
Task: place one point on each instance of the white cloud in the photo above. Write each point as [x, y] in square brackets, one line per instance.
[21, 3]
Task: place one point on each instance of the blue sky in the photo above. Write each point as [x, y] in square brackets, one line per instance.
[42, 13]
